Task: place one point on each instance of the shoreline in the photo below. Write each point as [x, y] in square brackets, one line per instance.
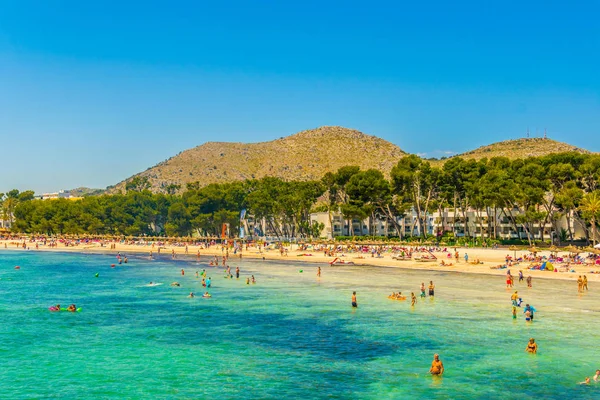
[488, 257]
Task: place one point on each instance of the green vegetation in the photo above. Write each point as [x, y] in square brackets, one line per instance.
[527, 193]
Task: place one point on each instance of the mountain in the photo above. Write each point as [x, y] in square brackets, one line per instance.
[521, 148]
[309, 155]
[303, 156]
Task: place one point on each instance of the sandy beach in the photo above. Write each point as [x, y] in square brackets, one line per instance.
[489, 258]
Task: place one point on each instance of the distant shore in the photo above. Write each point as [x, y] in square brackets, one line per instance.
[487, 257]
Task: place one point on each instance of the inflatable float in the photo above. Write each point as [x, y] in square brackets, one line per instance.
[337, 261]
[54, 308]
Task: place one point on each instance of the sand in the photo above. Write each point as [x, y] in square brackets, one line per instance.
[488, 257]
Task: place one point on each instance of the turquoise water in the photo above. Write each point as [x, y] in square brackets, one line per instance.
[289, 336]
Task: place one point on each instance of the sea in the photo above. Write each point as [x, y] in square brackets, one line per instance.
[291, 335]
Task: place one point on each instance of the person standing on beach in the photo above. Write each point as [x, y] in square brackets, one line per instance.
[584, 284]
[431, 289]
[466, 258]
[529, 281]
[354, 303]
[318, 271]
[456, 256]
[520, 276]
[437, 367]
[237, 272]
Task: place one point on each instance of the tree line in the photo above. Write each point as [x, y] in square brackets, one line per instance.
[529, 193]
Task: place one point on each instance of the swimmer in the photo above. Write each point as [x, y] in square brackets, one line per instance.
[253, 280]
[586, 381]
[182, 272]
[175, 284]
[597, 376]
[247, 281]
[437, 367]
[191, 294]
[72, 308]
[514, 312]
[531, 346]
[354, 303]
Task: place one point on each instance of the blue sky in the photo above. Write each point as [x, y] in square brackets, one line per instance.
[93, 92]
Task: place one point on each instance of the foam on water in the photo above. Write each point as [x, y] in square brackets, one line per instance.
[289, 336]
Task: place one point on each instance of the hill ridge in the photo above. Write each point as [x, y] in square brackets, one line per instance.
[309, 154]
[305, 155]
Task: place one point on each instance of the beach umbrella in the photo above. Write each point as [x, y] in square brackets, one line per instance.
[591, 250]
[512, 248]
[533, 249]
[572, 249]
[553, 249]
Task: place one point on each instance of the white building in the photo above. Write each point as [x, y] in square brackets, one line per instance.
[62, 194]
[473, 224]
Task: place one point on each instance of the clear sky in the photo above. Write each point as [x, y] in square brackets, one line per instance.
[92, 92]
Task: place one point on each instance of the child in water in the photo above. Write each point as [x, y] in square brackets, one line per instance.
[514, 312]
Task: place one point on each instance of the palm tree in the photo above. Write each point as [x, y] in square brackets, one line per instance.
[590, 208]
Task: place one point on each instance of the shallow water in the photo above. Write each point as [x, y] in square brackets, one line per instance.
[289, 336]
